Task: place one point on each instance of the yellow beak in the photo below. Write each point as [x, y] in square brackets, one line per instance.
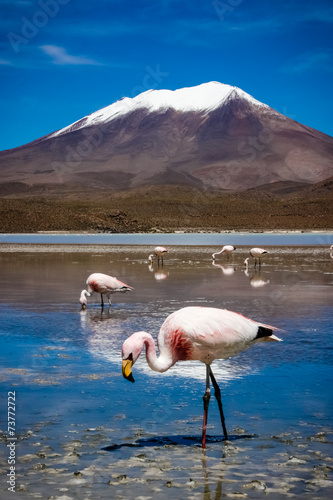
[127, 369]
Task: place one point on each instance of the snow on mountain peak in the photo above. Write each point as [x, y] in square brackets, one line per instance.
[204, 97]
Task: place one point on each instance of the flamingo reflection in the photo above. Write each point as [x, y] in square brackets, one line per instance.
[256, 279]
[226, 270]
[257, 282]
[104, 332]
[158, 275]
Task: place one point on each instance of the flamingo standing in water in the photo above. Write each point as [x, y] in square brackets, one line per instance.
[196, 333]
[256, 253]
[227, 249]
[103, 284]
[158, 252]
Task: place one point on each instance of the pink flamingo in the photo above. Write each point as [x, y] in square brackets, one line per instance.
[227, 249]
[256, 253]
[103, 284]
[158, 252]
[196, 333]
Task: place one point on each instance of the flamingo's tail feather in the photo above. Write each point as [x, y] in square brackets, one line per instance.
[267, 333]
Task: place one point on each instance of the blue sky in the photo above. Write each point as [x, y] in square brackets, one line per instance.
[63, 59]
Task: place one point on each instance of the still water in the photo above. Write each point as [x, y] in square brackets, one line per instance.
[176, 238]
[85, 432]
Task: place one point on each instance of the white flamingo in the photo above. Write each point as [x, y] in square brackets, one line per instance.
[103, 284]
[256, 253]
[158, 252]
[196, 333]
[227, 249]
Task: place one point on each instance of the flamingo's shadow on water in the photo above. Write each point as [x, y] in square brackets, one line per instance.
[175, 440]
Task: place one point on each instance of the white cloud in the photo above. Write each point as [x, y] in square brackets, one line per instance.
[61, 57]
[3, 62]
[318, 60]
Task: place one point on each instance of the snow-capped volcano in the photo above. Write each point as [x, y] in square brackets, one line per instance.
[209, 136]
[202, 98]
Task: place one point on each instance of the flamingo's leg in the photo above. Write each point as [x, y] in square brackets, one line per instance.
[109, 299]
[206, 398]
[217, 394]
[102, 301]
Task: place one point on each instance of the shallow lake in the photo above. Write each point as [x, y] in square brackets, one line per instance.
[84, 432]
[176, 238]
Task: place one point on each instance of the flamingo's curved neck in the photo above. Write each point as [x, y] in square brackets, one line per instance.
[161, 363]
[84, 294]
[217, 253]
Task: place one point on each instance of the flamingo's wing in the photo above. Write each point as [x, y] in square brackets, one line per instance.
[160, 249]
[211, 328]
[113, 285]
[102, 283]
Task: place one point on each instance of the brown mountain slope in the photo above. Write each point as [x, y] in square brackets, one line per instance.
[238, 145]
[167, 208]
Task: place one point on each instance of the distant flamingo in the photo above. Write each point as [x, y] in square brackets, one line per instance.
[256, 253]
[227, 249]
[103, 284]
[196, 333]
[158, 252]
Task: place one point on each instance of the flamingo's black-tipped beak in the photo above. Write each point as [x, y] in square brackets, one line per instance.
[83, 307]
[127, 370]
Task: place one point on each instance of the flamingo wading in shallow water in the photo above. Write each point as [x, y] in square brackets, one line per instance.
[103, 284]
[227, 249]
[158, 252]
[196, 333]
[256, 253]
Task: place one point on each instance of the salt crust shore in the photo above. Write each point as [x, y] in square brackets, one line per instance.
[85, 464]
